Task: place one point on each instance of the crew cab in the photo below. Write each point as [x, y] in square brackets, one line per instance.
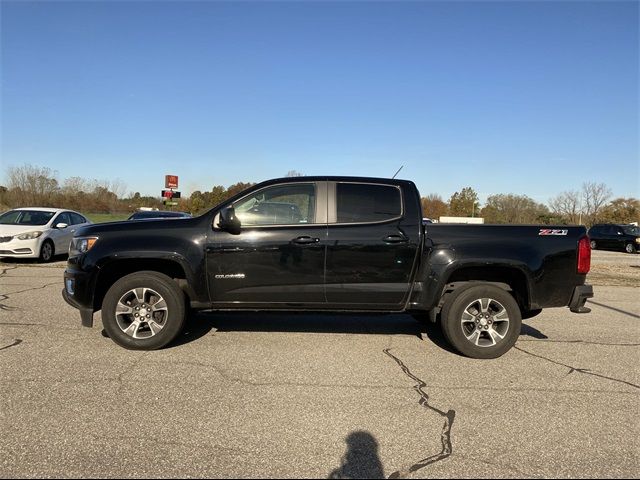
[347, 244]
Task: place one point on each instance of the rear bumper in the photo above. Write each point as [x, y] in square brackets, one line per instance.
[580, 296]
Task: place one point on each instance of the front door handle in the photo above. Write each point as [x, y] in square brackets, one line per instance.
[305, 240]
[395, 239]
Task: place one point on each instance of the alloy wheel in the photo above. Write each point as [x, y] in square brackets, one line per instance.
[485, 322]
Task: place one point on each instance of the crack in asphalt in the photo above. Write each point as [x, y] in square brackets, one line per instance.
[585, 371]
[586, 342]
[12, 324]
[4, 296]
[16, 341]
[445, 435]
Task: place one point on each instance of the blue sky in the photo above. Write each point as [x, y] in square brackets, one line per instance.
[531, 98]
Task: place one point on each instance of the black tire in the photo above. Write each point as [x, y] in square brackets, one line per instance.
[47, 251]
[593, 244]
[460, 331]
[139, 293]
[630, 248]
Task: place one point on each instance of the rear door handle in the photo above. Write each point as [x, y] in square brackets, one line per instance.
[305, 240]
[395, 239]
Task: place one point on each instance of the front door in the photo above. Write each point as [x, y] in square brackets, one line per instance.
[61, 236]
[278, 257]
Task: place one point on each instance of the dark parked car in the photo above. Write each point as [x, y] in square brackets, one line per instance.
[615, 237]
[148, 214]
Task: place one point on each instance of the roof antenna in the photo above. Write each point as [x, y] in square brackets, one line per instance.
[394, 175]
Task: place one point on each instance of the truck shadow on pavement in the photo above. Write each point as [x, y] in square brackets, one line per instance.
[200, 324]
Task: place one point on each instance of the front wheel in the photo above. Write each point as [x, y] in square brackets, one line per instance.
[46, 251]
[143, 311]
[481, 321]
[629, 248]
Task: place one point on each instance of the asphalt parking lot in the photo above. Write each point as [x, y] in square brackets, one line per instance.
[324, 396]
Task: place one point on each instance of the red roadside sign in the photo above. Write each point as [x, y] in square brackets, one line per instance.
[170, 181]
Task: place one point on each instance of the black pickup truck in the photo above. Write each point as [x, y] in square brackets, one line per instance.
[325, 243]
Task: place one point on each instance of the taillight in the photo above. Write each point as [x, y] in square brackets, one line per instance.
[584, 256]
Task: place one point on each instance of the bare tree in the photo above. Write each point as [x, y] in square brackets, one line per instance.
[567, 205]
[293, 173]
[595, 197]
[31, 186]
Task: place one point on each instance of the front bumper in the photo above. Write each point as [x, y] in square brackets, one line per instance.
[21, 248]
[78, 292]
[86, 314]
[580, 296]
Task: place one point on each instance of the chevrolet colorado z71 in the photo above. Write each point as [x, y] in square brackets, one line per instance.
[325, 243]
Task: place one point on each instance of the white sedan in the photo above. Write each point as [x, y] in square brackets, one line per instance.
[38, 232]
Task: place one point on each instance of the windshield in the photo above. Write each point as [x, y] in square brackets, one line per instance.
[631, 230]
[26, 217]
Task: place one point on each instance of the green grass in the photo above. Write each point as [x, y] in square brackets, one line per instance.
[106, 217]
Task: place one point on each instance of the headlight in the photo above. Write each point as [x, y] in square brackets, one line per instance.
[637, 239]
[81, 245]
[28, 235]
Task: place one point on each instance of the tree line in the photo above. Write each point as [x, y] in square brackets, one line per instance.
[594, 203]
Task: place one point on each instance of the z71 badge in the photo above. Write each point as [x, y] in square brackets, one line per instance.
[549, 231]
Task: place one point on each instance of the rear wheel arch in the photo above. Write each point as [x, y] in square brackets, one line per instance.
[511, 279]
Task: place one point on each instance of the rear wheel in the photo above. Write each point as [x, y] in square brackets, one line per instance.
[46, 251]
[481, 321]
[143, 311]
[593, 244]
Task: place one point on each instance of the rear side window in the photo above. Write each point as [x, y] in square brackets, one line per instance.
[362, 203]
[77, 219]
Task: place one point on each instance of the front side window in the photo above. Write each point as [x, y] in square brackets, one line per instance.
[63, 218]
[361, 202]
[291, 204]
[631, 230]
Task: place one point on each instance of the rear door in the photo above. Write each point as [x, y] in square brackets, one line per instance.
[373, 240]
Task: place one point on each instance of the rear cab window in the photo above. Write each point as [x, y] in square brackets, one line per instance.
[367, 203]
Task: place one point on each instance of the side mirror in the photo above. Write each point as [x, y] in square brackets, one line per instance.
[61, 225]
[229, 222]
